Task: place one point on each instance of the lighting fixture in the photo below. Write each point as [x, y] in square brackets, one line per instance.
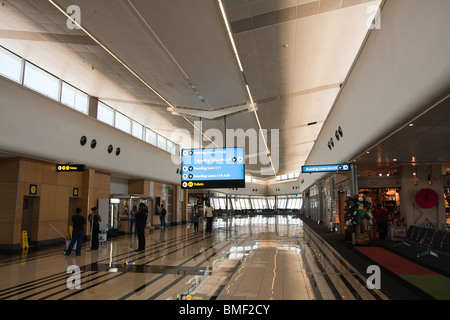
[230, 35]
[123, 64]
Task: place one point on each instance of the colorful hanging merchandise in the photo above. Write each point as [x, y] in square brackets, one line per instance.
[359, 218]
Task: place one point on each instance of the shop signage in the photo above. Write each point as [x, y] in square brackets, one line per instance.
[70, 168]
[326, 168]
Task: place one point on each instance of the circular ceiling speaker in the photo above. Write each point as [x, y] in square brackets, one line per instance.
[117, 151]
[93, 143]
[83, 140]
[110, 148]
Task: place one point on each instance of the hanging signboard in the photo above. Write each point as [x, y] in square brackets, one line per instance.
[70, 168]
[213, 168]
[326, 168]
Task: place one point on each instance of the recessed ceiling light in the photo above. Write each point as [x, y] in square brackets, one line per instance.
[395, 160]
[411, 124]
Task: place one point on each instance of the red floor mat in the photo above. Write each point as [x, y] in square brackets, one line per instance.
[393, 262]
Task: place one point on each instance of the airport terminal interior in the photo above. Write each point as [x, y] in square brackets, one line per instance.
[227, 150]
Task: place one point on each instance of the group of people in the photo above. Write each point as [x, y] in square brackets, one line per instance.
[138, 217]
[209, 215]
[78, 223]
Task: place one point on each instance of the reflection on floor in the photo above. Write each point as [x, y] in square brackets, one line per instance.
[245, 258]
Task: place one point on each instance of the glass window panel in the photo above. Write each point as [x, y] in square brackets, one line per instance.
[10, 65]
[253, 201]
[271, 203]
[216, 204]
[162, 142]
[150, 136]
[105, 113]
[137, 129]
[74, 98]
[289, 204]
[247, 203]
[123, 122]
[222, 203]
[170, 147]
[291, 175]
[260, 204]
[41, 81]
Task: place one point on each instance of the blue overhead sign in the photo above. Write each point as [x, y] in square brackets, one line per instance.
[212, 168]
[326, 168]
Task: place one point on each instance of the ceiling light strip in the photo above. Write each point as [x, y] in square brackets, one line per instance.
[110, 53]
[230, 35]
[122, 63]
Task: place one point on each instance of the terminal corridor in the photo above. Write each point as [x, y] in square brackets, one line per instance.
[245, 258]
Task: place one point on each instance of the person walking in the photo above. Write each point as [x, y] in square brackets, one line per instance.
[209, 214]
[195, 218]
[95, 219]
[141, 223]
[78, 222]
[162, 217]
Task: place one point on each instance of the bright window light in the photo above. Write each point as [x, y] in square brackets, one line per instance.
[123, 122]
[105, 114]
[41, 81]
[150, 137]
[10, 65]
[74, 98]
[137, 130]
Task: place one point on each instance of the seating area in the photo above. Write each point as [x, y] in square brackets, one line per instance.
[430, 239]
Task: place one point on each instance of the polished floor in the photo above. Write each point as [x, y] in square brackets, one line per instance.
[247, 258]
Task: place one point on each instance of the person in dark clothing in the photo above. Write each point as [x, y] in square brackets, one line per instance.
[162, 217]
[95, 219]
[381, 218]
[141, 223]
[78, 222]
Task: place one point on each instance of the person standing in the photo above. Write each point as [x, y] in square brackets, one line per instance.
[209, 214]
[162, 217]
[381, 218]
[78, 222]
[195, 218]
[95, 219]
[141, 223]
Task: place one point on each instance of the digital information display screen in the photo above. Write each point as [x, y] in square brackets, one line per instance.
[326, 168]
[212, 168]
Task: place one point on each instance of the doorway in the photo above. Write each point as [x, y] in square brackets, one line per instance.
[30, 217]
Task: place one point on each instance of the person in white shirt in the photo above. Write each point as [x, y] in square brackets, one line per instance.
[209, 214]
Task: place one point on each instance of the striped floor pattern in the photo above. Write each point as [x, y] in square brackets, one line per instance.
[246, 258]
